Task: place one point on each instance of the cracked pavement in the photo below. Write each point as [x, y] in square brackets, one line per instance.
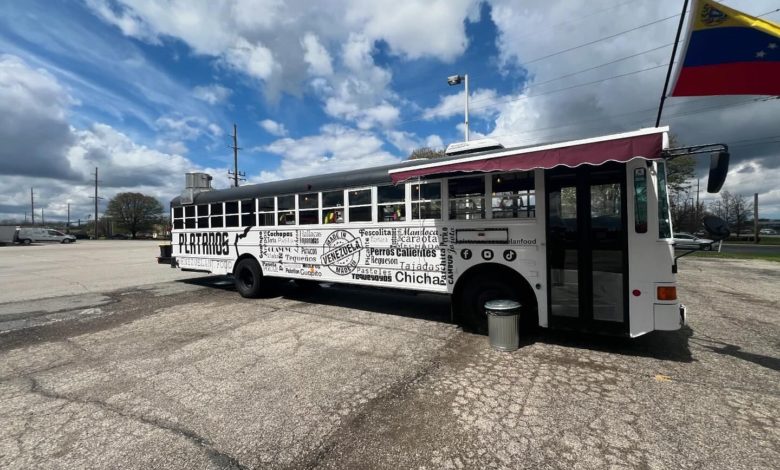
[186, 374]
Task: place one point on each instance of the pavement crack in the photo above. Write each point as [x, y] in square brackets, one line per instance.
[220, 458]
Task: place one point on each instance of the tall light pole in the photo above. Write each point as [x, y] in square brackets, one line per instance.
[453, 80]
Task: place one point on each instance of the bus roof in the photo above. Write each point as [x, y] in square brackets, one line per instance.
[387, 174]
[314, 183]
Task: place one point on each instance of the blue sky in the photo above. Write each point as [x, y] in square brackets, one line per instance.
[149, 90]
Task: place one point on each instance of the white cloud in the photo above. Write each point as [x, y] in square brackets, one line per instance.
[254, 59]
[187, 127]
[481, 103]
[59, 159]
[273, 127]
[211, 94]
[336, 148]
[407, 142]
[315, 54]
[34, 132]
[416, 28]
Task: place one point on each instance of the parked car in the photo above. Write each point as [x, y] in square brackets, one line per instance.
[688, 241]
[28, 235]
[767, 231]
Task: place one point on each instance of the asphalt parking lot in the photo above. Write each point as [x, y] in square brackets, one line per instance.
[175, 370]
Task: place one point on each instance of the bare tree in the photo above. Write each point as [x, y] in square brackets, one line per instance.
[425, 153]
[679, 180]
[735, 209]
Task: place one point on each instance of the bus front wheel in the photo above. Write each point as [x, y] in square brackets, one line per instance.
[248, 278]
[471, 302]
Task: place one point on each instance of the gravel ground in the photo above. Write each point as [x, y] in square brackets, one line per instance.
[186, 374]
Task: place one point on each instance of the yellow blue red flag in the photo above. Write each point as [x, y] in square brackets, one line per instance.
[728, 53]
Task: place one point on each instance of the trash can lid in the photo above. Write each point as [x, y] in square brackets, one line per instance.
[500, 305]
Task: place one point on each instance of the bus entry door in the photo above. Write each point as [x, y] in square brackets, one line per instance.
[587, 272]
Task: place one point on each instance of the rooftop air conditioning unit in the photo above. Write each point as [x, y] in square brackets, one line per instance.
[195, 183]
[472, 146]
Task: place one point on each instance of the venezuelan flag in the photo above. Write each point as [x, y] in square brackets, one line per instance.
[728, 53]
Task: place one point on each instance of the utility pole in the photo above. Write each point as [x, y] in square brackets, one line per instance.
[235, 174]
[43, 221]
[32, 206]
[67, 226]
[96, 198]
[698, 180]
[25, 217]
[755, 217]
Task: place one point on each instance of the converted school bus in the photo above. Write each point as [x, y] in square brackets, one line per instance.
[578, 232]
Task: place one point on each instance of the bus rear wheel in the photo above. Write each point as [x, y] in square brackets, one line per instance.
[248, 278]
[471, 302]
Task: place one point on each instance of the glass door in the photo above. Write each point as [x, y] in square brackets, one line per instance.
[586, 248]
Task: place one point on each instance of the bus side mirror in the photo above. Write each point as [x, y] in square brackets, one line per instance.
[719, 167]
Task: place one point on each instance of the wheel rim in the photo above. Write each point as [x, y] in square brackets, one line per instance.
[246, 278]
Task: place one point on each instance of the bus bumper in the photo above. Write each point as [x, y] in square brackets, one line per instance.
[668, 317]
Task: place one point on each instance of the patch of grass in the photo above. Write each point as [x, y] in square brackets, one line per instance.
[765, 240]
[714, 254]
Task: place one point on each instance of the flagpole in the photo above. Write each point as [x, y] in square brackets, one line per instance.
[671, 63]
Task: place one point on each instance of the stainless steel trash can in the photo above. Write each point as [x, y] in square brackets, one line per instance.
[503, 324]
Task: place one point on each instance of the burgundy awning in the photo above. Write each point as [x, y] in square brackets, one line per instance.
[647, 146]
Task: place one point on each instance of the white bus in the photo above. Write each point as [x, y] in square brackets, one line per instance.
[578, 232]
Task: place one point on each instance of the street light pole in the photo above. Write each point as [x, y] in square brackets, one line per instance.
[466, 80]
[456, 80]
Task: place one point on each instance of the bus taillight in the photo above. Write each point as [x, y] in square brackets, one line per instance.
[667, 293]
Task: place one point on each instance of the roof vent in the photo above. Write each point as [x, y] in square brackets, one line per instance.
[472, 146]
[195, 183]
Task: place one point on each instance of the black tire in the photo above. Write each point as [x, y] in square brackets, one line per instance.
[707, 247]
[26, 241]
[471, 301]
[248, 278]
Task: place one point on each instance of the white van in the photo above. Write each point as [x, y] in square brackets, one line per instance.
[28, 235]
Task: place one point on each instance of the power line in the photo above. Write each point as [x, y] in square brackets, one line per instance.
[590, 43]
[602, 118]
[591, 68]
[579, 20]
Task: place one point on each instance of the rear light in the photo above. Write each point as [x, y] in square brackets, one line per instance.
[667, 293]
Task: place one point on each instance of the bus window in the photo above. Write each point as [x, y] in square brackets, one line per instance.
[248, 212]
[640, 200]
[333, 207]
[217, 220]
[664, 225]
[178, 218]
[513, 195]
[359, 205]
[391, 205]
[265, 209]
[231, 214]
[467, 198]
[189, 216]
[426, 201]
[286, 207]
[308, 209]
[203, 216]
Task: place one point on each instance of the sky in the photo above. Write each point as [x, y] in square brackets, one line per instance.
[147, 90]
